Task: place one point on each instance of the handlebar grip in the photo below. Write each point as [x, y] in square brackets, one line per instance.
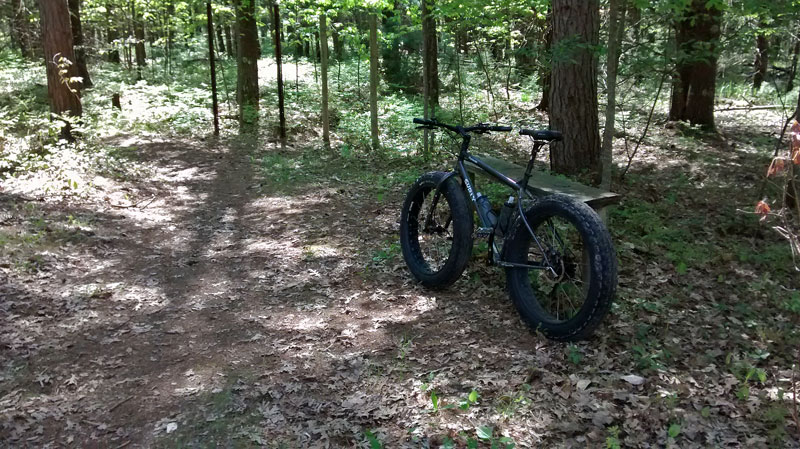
[542, 134]
[422, 121]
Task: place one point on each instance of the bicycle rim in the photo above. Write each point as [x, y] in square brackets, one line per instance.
[436, 240]
[562, 288]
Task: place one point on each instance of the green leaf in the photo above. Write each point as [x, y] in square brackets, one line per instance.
[472, 443]
[484, 432]
[681, 268]
[374, 442]
[448, 443]
[674, 430]
[473, 396]
[705, 412]
[434, 401]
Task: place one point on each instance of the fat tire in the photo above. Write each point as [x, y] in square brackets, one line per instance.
[602, 269]
[422, 191]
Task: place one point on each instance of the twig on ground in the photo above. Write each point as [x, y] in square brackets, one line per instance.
[127, 206]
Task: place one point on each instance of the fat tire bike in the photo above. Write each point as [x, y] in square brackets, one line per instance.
[560, 263]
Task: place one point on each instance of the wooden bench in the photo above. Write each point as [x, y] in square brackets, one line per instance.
[541, 184]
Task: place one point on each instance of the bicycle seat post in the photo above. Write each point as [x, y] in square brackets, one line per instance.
[537, 145]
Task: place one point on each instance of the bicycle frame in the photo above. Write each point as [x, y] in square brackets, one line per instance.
[519, 188]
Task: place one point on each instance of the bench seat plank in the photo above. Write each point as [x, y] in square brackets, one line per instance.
[541, 184]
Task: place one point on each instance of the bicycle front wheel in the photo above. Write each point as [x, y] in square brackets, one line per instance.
[436, 241]
[570, 292]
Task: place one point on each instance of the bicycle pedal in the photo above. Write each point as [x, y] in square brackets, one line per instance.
[483, 233]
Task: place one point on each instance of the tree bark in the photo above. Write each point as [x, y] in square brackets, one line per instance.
[694, 83]
[762, 60]
[228, 41]
[276, 32]
[78, 42]
[138, 35]
[373, 80]
[323, 40]
[21, 32]
[430, 54]
[220, 40]
[247, 61]
[616, 32]
[57, 43]
[793, 69]
[545, 65]
[213, 67]
[573, 94]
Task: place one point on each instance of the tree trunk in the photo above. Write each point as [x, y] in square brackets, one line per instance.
[212, 67]
[247, 61]
[20, 28]
[694, 84]
[77, 41]
[373, 80]
[228, 41]
[616, 32]
[57, 42]
[793, 69]
[276, 32]
[220, 40]
[138, 35]
[338, 42]
[573, 94]
[323, 39]
[762, 60]
[430, 55]
[545, 65]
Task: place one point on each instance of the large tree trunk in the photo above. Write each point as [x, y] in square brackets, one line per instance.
[57, 42]
[694, 83]
[276, 32]
[616, 31]
[247, 61]
[373, 80]
[78, 42]
[762, 60]
[323, 39]
[21, 33]
[573, 92]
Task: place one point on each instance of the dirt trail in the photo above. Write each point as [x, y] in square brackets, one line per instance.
[217, 312]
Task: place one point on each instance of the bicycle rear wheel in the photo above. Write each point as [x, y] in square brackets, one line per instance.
[570, 295]
[437, 242]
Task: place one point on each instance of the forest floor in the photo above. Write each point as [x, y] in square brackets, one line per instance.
[230, 293]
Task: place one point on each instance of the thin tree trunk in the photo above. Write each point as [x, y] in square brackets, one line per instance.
[616, 32]
[373, 80]
[573, 94]
[247, 62]
[545, 69]
[762, 60]
[57, 43]
[213, 68]
[228, 43]
[276, 32]
[323, 39]
[78, 42]
[220, 39]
